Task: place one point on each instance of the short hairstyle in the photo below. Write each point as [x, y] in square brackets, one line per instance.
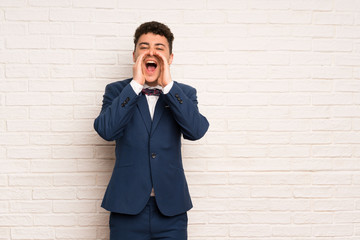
[155, 28]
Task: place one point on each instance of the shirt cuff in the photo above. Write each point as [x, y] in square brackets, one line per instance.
[168, 87]
[137, 87]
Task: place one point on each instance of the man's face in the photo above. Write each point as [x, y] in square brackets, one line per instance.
[151, 66]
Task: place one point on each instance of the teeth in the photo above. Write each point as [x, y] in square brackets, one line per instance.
[150, 61]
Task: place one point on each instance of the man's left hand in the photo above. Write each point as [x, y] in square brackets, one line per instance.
[165, 77]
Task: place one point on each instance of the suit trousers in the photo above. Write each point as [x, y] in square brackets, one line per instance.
[149, 224]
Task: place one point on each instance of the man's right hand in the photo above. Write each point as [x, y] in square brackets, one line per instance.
[138, 74]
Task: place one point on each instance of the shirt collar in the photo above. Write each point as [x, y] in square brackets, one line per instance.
[157, 86]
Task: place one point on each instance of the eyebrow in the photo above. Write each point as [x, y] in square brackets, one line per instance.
[156, 44]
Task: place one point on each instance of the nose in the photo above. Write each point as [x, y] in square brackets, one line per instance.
[151, 52]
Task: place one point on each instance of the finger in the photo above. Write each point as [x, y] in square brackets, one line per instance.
[141, 57]
[162, 57]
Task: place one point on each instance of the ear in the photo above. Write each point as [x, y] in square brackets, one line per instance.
[171, 58]
[134, 59]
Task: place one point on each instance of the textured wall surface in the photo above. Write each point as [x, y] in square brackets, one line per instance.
[278, 80]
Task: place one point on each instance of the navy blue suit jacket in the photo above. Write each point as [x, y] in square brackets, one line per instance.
[148, 153]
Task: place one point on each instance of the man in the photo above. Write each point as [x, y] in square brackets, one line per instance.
[146, 115]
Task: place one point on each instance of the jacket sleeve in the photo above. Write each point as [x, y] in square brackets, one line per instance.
[186, 113]
[117, 110]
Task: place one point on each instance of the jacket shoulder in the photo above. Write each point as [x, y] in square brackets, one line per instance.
[187, 89]
[118, 85]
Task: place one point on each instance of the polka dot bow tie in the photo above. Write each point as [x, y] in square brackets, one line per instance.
[151, 92]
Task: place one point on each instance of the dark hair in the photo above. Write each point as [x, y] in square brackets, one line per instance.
[155, 28]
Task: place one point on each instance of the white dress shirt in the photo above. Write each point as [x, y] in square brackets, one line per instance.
[151, 100]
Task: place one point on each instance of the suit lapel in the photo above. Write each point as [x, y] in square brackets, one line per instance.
[159, 109]
[144, 110]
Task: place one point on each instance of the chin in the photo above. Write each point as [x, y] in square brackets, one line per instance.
[151, 80]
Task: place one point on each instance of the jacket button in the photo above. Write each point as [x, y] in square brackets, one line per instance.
[127, 99]
[153, 155]
[177, 95]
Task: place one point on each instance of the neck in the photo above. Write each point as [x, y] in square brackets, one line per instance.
[151, 84]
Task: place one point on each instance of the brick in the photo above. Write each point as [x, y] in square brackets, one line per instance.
[14, 86]
[31, 206]
[333, 18]
[207, 178]
[115, 43]
[14, 166]
[333, 230]
[105, 72]
[54, 193]
[51, 139]
[28, 152]
[347, 217]
[13, 29]
[28, 125]
[70, 71]
[30, 180]
[271, 192]
[311, 138]
[46, 56]
[73, 152]
[327, 45]
[68, 233]
[77, 98]
[204, 17]
[85, 57]
[292, 231]
[55, 220]
[14, 139]
[163, 5]
[50, 28]
[290, 17]
[333, 205]
[203, 151]
[254, 230]
[94, 4]
[247, 17]
[14, 194]
[96, 29]
[346, 5]
[90, 193]
[45, 112]
[212, 231]
[321, 5]
[25, 71]
[70, 15]
[289, 205]
[230, 4]
[27, 42]
[52, 3]
[71, 42]
[13, 56]
[27, 14]
[54, 166]
[74, 179]
[73, 126]
[32, 233]
[312, 192]
[314, 31]
[94, 220]
[167, 16]
[15, 219]
[114, 16]
[13, 3]
[71, 206]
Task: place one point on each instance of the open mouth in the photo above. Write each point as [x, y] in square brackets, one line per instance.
[151, 65]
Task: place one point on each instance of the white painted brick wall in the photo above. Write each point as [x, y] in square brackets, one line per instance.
[278, 80]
